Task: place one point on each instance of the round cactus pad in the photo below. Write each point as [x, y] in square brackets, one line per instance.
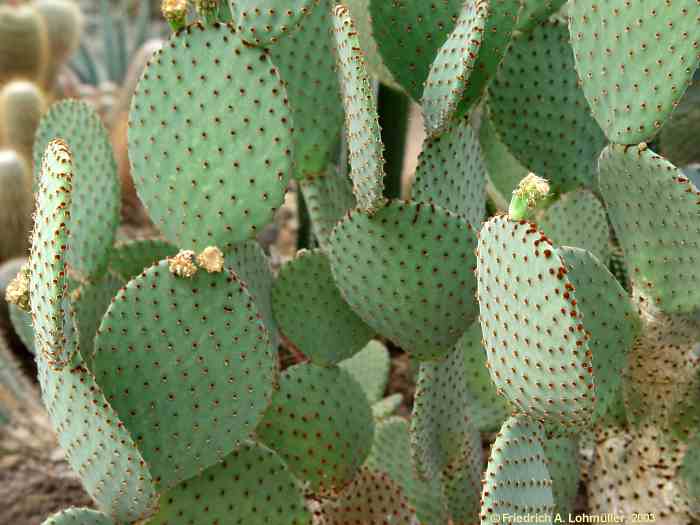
[409, 34]
[210, 138]
[442, 428]
[451, 72]
[188, 365]
[371, 498]
[408, 272]
[517, 480]
[328, 198]
[635, 60]
[654, 211]
[366, 150]
[75, 516]
[97, 444]
[313, 315]
[48, 283]
[251, 486]
[306, 57]
[562, 223]
[540, 113]
[451, 173]
[129, 259]
[263, 22]
[391, 455]
[536, 342]
[96, 188]
[370, 367]
[321, 425]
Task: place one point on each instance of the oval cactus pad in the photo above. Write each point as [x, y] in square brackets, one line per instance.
[210, 138]
[262, 22]
[188, 365]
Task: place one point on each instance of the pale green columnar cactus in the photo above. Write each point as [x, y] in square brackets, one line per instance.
[158, 359]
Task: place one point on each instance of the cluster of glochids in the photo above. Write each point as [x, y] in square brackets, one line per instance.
[567, 322]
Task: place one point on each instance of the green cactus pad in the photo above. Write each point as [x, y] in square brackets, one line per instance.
[306, 58]
[264, 22]
[451, 173]
[370, 368]
[563, 466]
[409, 34]
[536, 11]
[504, 171]
[391, 455]
[517, 480]
[211, 170]
[486, 408]
[188, 365]
[387, 407]
[96, 188]
[608, 316]
[76, 516]
[408, 272]
[89, 303]
[677, 141]
[313, 315]
[578, 219]
[129, 259]
[536, 343]
[321, 425]
[689, 473]
[539, 111]
[654, 211]
[451, 72]
[97, 445]
[462, 491]
[442, 429]
[252, 485]
[49, 254]
[328, 198]
[249, 262]
[22, 325]
[372, 498]
[635, 61]
[361, 121]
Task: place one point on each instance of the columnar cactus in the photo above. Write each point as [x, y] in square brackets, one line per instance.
[158, 359]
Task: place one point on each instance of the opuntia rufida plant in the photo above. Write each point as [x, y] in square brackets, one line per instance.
[565, 322]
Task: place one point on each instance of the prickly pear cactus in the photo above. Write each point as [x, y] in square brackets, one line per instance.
[521, 331]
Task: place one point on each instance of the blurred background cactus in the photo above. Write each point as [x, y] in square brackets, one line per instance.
[389, 262]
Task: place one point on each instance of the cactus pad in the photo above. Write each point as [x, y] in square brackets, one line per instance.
[217, 180]
[22, 325]
[97, 445]
[188, 365]
[386, 407]
[313, 315]
[361, 121]
[635, 60]
[442, 430]
[263, 22]
[536, 343]
[409, 34]
[130, 259]
[408, 272]
[391, 455]
[305, 58]
[536, 11]
[540, 113]
[76, 516]
[563, 466]
[578, 219]
[451, 72]
[371, 498]
[252, 485]
[47, 262]
[370, 368]
[96, 190]
[451, 173]
[328, 198]
[517, 481]
[321, 425]
[654, 211]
